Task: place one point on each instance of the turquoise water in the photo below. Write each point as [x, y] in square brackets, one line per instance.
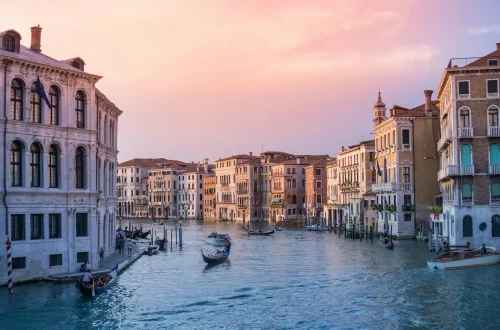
[292, 280]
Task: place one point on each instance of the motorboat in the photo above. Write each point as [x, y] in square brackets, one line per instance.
[316, 228]
[454, 259]
[221, 239]
[152, 249]
[277, 228]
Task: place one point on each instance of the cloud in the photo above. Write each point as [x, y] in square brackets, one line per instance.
[483, 29]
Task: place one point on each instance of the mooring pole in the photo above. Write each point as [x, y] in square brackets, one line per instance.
[180, 233]
[9, 265]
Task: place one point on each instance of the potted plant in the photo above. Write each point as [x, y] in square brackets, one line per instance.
[436, 209]
[391, 208]
[377, 207]
[408, 207]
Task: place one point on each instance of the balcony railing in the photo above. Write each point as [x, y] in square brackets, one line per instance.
[455, 170]
[494, 169]
[465, 132]
[464, 96]
[492, 95]
[494, 131]
[406, 186]
[384, 187]
[349, 186]
[445, 139]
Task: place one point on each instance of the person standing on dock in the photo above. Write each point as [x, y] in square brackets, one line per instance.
[121, 244]
[129, 247]
[101, 255]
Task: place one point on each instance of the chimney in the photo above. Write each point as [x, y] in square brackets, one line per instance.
[250, 153]
[391, 111]
[205, 165]
[298, 161]
[498, 45]
[36, 37]
[342, 148]
[428, 102]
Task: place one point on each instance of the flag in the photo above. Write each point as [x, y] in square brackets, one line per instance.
[379, 172]
[39, 90]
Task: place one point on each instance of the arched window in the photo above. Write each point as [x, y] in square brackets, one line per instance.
[467, 226]
[495, 193]
[465, 153]
[16, 100]
[80, 110]
[294, 183]
[495, 226]
[110, 143]
[35, 106]
[10, 43]
[294, 199]
[464, 117]
[54, 102]
[494, 154]
[493, 116]
[53, 167]
[79, 168]
[15, 164]
[35, 165]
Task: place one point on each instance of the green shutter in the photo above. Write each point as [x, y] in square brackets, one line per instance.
[494, 154]
[467, 190]
[466, 155]
[495, 189]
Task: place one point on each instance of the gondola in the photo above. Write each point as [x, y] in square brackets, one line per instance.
[143, 235]
[387, 243]
[218, 256]
[258, 233]
[108, 279]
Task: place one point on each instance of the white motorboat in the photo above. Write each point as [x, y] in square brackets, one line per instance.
[464, 259]
[316, 228]
[221, 239]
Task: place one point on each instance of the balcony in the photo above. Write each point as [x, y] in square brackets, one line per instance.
[494, 131]
[455, 170]
[465, 132]
[379, 187]
[349, 186]
[445, 139]
[406, 186]
[494, 168]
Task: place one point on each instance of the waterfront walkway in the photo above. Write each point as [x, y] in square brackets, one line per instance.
[122, 259]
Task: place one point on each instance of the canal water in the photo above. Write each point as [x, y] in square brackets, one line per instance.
[292, 280]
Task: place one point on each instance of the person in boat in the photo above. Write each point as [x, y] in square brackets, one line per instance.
[83, 267]
[485, 251]
[87, 277]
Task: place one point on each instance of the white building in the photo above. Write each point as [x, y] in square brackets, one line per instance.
[58, 184]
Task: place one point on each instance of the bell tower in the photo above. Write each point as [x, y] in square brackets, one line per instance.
[379, 111]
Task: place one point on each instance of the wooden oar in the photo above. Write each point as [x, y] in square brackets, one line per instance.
[93, 290]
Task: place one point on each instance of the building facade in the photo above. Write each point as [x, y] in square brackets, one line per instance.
[406, 159]
[469, 150]
[333, 209]
[60, 156]
[315, 191]
[209, 197]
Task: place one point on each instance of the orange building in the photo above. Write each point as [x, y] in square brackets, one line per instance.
[315, 177]
[209, 197]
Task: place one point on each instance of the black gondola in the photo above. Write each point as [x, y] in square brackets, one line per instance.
[143, 235]
[218, 256]
[258, 232]
[105, 280]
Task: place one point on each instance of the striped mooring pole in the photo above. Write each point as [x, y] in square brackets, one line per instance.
[9, 264]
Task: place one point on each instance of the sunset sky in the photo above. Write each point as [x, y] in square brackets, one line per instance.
[211, 78]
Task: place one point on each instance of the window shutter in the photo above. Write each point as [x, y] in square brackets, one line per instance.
[495, 189]
[467, 190]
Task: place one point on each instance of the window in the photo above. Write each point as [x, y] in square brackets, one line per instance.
[35, 106]
[80, 110]
[493, 116]
[463, 90]
[288, 171]
[16, 100]
[467, 229]
[492, 87]
[36, 226]
[467, 193]
[466, 155]
[318, 199]
[294, 199]
[303, 183]
[35, 165]
[495, 226]
[54, 226]
[495, 192]
[81, 225]
[407, 199]
[318, 171]
[82, 257]
[54, 105]
[10, 43]
[19, 263]
[406, 175]
[318, 184]
[55, 260]
[15, 164]
[79, 168]
[492, 62]
[53, 167]
[407, 217]
[17, 229]
[405, 136]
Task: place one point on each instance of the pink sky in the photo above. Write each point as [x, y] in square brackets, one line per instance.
[200, 79]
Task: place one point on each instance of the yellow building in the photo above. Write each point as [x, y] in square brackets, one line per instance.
[406, 163]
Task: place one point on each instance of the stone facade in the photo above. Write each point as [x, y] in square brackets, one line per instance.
[59, 192]
[468, 148]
